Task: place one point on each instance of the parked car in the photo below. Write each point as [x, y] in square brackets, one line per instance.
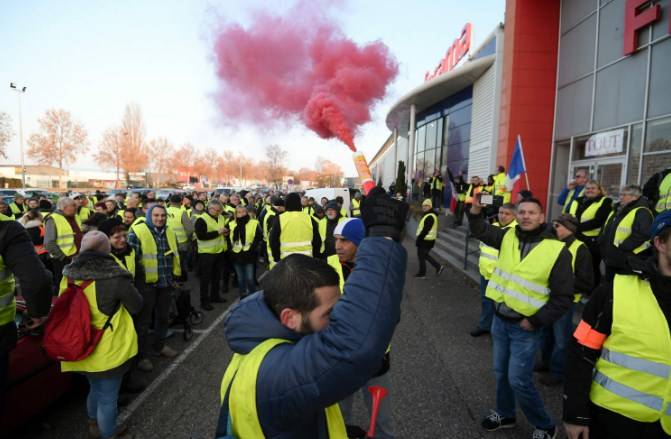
[8, 192]
[331, 194]
[164, 194]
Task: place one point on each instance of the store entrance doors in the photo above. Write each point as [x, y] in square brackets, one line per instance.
[610, 173]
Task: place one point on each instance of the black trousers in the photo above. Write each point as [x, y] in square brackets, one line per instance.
[4, 378]
[437, 198]
[157, 305]
[57, 267]
[211, 267]
[423, 256]
[594, 249]
[609, 425]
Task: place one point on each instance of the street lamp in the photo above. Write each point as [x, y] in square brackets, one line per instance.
[20, 91]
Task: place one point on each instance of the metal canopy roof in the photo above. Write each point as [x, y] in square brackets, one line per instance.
[435, 90]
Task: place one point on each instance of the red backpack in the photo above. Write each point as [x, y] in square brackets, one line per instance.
[68, 333]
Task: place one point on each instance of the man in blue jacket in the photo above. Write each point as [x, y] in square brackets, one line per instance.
[300, 347]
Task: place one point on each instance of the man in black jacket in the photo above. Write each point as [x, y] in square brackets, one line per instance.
[292, 203]
[615, 250]
[658, 190]
[427, 233]
[557, 336]
[532, 286]
[598, 343]
[21, 263]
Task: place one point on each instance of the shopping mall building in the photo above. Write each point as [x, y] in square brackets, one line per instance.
[586, 84]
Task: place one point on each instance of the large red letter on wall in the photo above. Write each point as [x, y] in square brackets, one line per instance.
[635, 20]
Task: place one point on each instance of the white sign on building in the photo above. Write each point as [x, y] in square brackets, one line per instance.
[610, 142]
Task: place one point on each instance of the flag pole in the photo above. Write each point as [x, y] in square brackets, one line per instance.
[526, 174]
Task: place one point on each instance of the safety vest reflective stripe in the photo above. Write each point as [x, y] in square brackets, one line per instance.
[484, 248]
[540, 289]
[6, 299]
[626, 392]
[639, 364]
[664, 201]
[624, 228]
[516, 295]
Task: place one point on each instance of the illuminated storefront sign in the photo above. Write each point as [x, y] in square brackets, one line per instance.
[455, 53]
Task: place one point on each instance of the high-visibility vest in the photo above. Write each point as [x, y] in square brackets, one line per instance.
[270, 213]
[175, 223]
[230, 209]
[573, 249]
[295, 234]
[308, 210]
[194, 217]
[7, 284]
[632, 376]
[623, 230]
[128, 262]
[356, 208]
[462, 195]
[344, 213]
[215, 245]
[489, 255]
[523, 284]
[83, 213]
[242, 376]
[323, 227]
[569, 199]
[436, 184]
[150, 252]
[118, 343]
[433, 233]
[138, 220]
[500, 187]
[664, 201]
[188, 211]
[16, 210]
[472, 193]
[587, 215]
[250, 233]
[334, 262]
[65, 236]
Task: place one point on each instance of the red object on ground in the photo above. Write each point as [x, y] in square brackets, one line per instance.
[377, 392]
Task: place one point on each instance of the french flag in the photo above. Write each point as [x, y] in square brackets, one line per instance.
[517, 167]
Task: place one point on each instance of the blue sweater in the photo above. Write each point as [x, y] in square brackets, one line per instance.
[297, 381]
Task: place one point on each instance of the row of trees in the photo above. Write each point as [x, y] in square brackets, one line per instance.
[124, 148]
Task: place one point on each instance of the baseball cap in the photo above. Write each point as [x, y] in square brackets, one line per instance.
[661, 222]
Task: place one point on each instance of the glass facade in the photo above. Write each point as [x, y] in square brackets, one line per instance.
[442, 136]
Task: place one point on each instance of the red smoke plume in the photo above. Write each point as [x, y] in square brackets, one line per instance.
[302, 66]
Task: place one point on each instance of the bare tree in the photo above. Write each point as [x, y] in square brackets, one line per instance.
[110, 151]
[59, 141]
[276, 162]
[134, 149]
[6, 132]
[329, 174]
[162, 154]
[184, 160]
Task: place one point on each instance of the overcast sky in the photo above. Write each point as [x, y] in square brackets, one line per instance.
[94, 57]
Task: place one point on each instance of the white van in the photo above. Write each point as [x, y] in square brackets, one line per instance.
[330, 193]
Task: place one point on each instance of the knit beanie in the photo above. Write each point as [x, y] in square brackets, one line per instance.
[292, 202]
[352, 229]
[96, 241]
[568, 221]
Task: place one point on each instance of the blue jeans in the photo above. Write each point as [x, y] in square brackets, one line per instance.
[101, 404]
[245, 275]
[487, 307]
[514, 351]
[555, 340]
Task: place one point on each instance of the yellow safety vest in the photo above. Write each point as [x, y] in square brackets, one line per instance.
[500, 187]
[266, 221]
[16, 210]
[569, 199]
[436, 184]
[344, 213]
[230, 209]
[323, 223]
[128, 262]
[218, 244]
[334, 262]
[489, 255]
[664, 201]
[587, 215]
[573, 249]
[139, 220]
[65, 236]
[522, 284]
[623, 230]
[150, 252]
[433, 233]
[7, 285]
[462, 195]
[84, 213]
[241, 376]
[356, 208]
[633, 374]
[250, 233]
[188, 211]
[175, 223]
[295, 234]
[308, 210]
[118, 343]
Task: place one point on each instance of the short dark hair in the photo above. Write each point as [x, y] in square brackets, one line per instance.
[131, 210]
[292, 282]
[533, 200]
[508, 206]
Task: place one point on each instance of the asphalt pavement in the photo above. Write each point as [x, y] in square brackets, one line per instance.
[442, 382]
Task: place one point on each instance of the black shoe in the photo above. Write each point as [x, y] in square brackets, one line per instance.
[420, 276]
[539, 433]
[550, 380]
[495, 422]
[440, 270]
[477, 332]
[207, 306]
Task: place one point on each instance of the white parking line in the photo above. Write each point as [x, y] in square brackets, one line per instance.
[133, 406]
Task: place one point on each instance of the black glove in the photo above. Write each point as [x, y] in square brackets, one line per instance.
[383, 215]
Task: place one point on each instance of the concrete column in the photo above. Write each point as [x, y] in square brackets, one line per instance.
[395, 134]
[410, 165]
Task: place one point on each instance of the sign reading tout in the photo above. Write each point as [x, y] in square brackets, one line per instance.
[455, 53]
